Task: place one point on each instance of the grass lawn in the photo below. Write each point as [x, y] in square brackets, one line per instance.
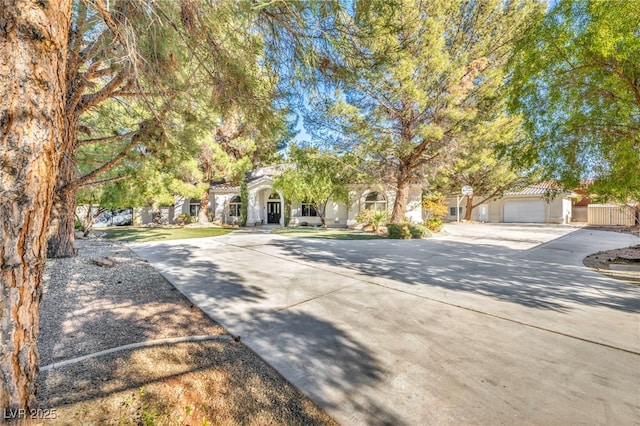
[329, 234]
[144, 234]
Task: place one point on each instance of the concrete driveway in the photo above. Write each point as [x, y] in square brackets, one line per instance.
[491, 324]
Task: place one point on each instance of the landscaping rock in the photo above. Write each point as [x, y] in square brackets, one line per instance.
[107, 262]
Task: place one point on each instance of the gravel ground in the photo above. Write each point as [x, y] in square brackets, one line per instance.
[88, 308]
[602, 261]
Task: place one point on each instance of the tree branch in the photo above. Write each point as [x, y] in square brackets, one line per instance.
[104, 181]
[88, 101]
[112, 163]
[104, 139]
[497, 192]
[616, 68]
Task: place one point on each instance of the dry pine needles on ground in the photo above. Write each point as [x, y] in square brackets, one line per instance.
[87, 308]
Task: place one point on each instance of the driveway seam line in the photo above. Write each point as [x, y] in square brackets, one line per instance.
[302, 302]
[537, 327]
[509, 320]
[525, 324]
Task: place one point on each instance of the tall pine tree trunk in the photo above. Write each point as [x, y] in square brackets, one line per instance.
[203, 212]
[33, 43]
[402, 198]
[61, 233]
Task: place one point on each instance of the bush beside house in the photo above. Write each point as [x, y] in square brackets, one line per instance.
[407, 231]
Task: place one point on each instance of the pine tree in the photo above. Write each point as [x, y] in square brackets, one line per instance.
[33, 46]
[407, 81]
[172, 66]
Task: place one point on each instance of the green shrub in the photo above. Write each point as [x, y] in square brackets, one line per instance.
[364, 216]
[419, 231]
[378, 218]
[434, 224]
[375, 218]
[399, 231]
[185, 219]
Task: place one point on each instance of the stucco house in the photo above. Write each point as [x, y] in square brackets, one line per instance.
[267, 206]
[528, 205]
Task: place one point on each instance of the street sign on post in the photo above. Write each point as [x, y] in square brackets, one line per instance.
[467, 190]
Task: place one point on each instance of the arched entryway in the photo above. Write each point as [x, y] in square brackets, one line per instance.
[274, 209]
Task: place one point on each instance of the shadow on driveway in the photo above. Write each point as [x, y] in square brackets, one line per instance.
[288, 339]
[496, 272]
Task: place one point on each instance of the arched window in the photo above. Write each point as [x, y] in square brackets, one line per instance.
[234, 206]
[274, 196]
[375, 201]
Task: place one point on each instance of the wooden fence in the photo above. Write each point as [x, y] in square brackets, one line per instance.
[611, 214]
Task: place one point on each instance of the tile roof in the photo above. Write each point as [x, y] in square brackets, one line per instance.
[228, 186]
[540, 188]
[224, 186]
[261, 173]
[275, 170]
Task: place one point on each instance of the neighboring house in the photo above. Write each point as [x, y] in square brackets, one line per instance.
[267, 206]
[144, 215]
[616, 214]
[581, 202]
[165, 214]
[528, 205]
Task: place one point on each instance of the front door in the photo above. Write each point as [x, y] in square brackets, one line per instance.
[273, 212]
[483, 213]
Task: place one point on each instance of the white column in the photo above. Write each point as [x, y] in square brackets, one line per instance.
[281, 209]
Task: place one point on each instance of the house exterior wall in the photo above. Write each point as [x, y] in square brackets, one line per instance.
[181, 206]
[452, 205]
[556, 211]
[220, 207]
[145, 215]
[257, 200]
[337, 214]
[168, 214]
[259, 196]
[414, 206]
[142, 215]
[358, 197]
[566, 211]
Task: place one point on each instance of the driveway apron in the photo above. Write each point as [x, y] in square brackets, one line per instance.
[494, 325]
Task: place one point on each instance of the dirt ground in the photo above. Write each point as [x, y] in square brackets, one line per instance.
[602, 261]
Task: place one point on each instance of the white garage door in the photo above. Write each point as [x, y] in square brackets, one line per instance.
[524, 211]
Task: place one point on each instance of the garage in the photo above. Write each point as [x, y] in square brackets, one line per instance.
[524, 211]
